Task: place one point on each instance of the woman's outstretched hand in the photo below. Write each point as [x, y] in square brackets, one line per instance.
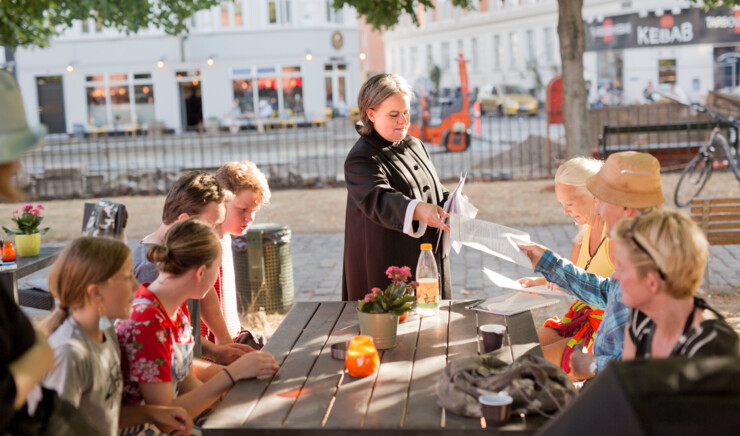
[432, 215]
[533, 251]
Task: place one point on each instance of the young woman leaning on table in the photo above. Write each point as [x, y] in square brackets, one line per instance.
[157, 342]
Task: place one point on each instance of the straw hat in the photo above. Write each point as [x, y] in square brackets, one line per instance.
[628, 179]
[15, 136]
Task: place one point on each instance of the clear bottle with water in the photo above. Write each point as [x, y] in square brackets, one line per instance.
[427, 294]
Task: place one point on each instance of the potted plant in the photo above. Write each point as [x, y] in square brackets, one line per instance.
[380, 310]
[28, 235]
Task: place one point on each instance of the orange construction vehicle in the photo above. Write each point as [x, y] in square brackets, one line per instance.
[447, 123]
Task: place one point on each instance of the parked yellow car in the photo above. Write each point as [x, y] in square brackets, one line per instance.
[507, 100]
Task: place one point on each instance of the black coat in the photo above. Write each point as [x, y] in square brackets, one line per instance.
[382, 179]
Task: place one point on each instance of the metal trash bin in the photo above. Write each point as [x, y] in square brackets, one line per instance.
[264, 269]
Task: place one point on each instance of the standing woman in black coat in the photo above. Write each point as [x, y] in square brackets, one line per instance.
[394, 195]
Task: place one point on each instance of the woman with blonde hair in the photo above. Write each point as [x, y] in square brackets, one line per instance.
[591, 250]
[661, 260]
[157, 341]
[94, 282]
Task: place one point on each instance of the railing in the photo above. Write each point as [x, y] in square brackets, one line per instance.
[302, 157]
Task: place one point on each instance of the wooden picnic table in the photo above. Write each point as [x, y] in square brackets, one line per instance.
[312, 393]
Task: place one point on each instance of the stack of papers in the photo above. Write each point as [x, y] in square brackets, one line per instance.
[512, 304]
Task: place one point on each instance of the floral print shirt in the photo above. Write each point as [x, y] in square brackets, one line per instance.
[155, 348]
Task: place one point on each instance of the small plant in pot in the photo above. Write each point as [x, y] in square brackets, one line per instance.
[380, 310]
[28, 236]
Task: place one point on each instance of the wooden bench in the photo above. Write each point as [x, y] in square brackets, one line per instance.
[673, 144]
[719, 218]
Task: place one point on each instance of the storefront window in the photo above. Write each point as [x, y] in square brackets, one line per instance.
[293, 94]
[144, 103]
[267, 94]
[117, 99]
[514, 48]
[96, 109]
[666, 71]
[243, 91]
[726, 68]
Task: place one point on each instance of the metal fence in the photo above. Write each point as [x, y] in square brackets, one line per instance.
[300, 157]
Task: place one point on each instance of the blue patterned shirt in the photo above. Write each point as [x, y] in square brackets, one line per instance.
[600, 292]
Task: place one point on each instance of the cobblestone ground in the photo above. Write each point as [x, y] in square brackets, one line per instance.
[317, 268]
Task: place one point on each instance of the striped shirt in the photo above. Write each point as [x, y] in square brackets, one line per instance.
[599, 292]
[711, 337]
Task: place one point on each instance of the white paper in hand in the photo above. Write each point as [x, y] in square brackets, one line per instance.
[507, 283]
[490, 238]
[456, 204]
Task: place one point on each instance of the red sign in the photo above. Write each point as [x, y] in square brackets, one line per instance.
[554, 101]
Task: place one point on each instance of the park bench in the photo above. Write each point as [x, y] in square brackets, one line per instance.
[673, 144]
[719, 219]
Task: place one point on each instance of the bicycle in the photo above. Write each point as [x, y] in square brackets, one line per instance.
[717, 151]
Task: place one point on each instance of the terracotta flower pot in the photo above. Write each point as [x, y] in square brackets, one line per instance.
[28, 245]
[381, 327]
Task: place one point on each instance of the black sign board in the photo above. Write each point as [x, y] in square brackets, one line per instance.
[691, 26]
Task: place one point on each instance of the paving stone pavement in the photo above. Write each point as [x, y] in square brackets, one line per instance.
[317, 267]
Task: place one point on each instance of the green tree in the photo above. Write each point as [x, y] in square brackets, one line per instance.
[26, 23]
[385, 13]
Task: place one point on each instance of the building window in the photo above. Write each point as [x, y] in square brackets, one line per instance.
[514, 49]
[530, 46]
[403, 61]
[414, 60]
[445, 55]
[547, 44]
[666, 71]
[277, 89]
[474, 52]
[116, 99]
[238, 19]
[225, 15]
[272, 11]
[244, 94]
[497, 50]
[332, 15]
[430, 58]
[459, 48]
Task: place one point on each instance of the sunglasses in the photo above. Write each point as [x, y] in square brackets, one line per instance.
[631, 232]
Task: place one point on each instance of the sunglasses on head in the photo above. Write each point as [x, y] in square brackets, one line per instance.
[631, 232]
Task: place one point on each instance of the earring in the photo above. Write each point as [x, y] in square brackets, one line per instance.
[104, 322]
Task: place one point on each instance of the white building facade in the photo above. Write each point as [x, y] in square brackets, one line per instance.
[295, 56]
[516, 42]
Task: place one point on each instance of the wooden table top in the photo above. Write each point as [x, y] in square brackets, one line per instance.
[29, 265]
[312, 392]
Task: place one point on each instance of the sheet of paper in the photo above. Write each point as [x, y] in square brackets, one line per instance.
[504, 282]
[456, 204]
[490, 238]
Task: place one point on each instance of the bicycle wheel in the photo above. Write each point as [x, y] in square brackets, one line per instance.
[725, 152]
[693, 178]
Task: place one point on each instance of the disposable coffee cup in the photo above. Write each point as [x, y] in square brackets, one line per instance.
[496, 408]
[493, 336]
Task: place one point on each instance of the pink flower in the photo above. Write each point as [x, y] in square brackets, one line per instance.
[413, 285]
[35, 212]
[27, 207]
[375, 290]
[40, 206]
[15, 212]
[405, 273]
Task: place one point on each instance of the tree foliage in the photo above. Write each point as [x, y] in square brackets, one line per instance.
[34, 22]
[714, 4]
[386, 13]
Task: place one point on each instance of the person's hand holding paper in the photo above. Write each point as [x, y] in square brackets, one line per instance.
[533, 251]
[494, 239]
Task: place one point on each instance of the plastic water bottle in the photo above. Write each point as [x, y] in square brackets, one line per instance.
[427, 294]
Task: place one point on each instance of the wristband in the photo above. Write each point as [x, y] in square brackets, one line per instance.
[233, 382]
